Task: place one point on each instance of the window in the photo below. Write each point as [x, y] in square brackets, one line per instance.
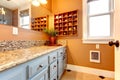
[24, 22]
[24, 19]
[99, 19]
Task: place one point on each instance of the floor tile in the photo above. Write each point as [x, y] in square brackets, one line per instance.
[72, 75]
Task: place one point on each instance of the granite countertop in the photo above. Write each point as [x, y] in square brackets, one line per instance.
[9, 59]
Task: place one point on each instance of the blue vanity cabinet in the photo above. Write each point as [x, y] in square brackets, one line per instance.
[15, 73]
[45, 67]
[35, 69]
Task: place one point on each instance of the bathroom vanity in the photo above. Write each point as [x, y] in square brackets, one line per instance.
[36, 63]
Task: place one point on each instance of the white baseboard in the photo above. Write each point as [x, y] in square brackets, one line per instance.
[88, 70]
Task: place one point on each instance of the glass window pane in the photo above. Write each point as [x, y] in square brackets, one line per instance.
[98, 6]
[26, 20]
[99, 26]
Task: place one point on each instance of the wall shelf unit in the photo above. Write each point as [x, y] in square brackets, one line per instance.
[66, 23]
[39, 23]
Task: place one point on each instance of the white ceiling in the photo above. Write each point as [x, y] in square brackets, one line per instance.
[14, 4]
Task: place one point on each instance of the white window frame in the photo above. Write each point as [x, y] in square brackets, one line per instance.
[27, 6]
[86, 16]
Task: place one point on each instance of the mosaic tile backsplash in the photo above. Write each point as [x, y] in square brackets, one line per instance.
[20, 44]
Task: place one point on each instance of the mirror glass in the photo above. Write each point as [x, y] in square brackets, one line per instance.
[20, 13]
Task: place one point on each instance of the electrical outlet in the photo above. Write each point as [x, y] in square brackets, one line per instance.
[97, 46]
[15, 31]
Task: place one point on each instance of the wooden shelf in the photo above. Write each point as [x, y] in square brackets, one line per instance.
[66, 23]
[39, 23]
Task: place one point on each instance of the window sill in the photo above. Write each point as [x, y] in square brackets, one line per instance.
[97, 41]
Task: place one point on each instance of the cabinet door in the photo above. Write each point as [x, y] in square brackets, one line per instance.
[16, 73]
[65, 58]
[60, 67]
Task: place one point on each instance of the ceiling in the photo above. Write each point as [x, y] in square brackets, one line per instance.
[13, 4]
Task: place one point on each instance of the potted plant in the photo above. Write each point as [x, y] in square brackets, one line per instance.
[52, 36]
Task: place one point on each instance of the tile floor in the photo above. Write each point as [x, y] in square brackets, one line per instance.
[81, 76]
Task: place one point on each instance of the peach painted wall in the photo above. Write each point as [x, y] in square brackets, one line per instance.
[42, 10]
[23, 34]
[78, 53]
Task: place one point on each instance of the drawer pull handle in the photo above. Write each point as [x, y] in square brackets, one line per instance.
[54, 66]
[54, 79]
[54, 57]
[39, 67]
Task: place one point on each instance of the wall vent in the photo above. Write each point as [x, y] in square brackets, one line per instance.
[95, 56]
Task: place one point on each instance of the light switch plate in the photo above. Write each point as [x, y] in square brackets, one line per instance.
[15, 31]
[97, 46]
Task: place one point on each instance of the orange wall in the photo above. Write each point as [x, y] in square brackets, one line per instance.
[42, 10]
[78, 53]
[24, 34]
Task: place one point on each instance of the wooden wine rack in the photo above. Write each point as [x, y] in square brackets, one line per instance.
[66, 24]
[39, 23]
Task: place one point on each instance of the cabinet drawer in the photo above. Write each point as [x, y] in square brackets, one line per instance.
[52, 57]
[37, 65]
[53, 68]
[54, 77]
[43, 75]
[60, 52]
